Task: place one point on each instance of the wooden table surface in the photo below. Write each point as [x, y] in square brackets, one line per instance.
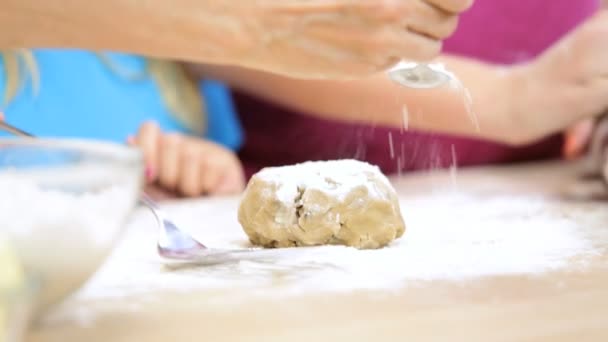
[489, 255]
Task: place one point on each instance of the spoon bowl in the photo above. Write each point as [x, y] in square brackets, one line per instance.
[418, 76]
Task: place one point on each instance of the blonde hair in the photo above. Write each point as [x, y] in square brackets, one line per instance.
[177, 87]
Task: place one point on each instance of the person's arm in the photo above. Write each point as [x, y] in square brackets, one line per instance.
[381, 101]
[301, 38]
[514, 105]
[181, 29]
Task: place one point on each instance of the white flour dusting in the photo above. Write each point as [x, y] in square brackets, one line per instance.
[468, 237]
[405, 117]
[390, 144]
[455, 83]
[335, 177]
[466, 95]
[63, 234]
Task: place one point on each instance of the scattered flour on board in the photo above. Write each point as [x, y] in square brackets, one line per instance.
[469, 238]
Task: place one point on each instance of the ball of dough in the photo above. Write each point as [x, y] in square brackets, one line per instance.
[341, 202]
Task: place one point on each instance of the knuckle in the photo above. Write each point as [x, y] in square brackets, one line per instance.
[213, 163]
[448, 28]
[172, 139]
[429, 51]
[169, 183]
[388, 63]
[190, 191]
[452, 6]
[452, 26]
[459, 6]
[147, 127]
[383, 9]
[189, 153]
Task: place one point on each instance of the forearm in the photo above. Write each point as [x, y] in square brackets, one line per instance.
[205, 30]
[379, 100]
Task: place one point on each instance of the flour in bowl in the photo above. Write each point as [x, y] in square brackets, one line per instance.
[61, 229]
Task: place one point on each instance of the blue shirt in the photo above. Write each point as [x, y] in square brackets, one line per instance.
[79, 96]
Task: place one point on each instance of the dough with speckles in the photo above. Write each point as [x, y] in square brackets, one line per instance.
[340, 202]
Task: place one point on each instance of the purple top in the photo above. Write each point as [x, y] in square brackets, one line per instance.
[513, 31]
[496, 31]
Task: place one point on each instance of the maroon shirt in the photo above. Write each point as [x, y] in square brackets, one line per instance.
[497, 31]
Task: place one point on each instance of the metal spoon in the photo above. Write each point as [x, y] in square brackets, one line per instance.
[420, 76]
[173, 243]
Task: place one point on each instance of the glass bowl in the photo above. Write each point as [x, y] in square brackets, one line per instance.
[15, 313]
[63, 205]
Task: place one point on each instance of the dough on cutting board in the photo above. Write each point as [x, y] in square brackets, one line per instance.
[345, 202]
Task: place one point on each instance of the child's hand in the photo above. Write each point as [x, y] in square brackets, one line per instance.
[566, 84]
[186, 165]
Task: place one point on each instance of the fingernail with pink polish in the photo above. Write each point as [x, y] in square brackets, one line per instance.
[149, 173]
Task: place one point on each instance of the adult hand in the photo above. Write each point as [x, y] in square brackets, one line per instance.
[302, 38]
[347, 38]
[567, 84]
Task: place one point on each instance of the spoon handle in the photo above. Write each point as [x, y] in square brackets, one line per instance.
[12, 129]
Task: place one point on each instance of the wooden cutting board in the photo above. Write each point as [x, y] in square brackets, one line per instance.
[489, 254]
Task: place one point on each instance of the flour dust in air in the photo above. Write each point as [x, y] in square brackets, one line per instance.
[456, 84]
[467, 98]
[390, 145]
[405, 115]
[453, 166]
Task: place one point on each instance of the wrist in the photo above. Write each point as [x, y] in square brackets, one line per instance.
[220, 30]
[518, 93]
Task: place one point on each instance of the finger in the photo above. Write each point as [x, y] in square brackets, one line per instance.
[432, 22]
[157, 193]
[148, 140]
[211, 176]
[1, 116]
[212, 166]
[451, 6]
[577, 138]
[378, 47]
[420, 47]
[231, 183]
[169, 161]
[190, 171]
